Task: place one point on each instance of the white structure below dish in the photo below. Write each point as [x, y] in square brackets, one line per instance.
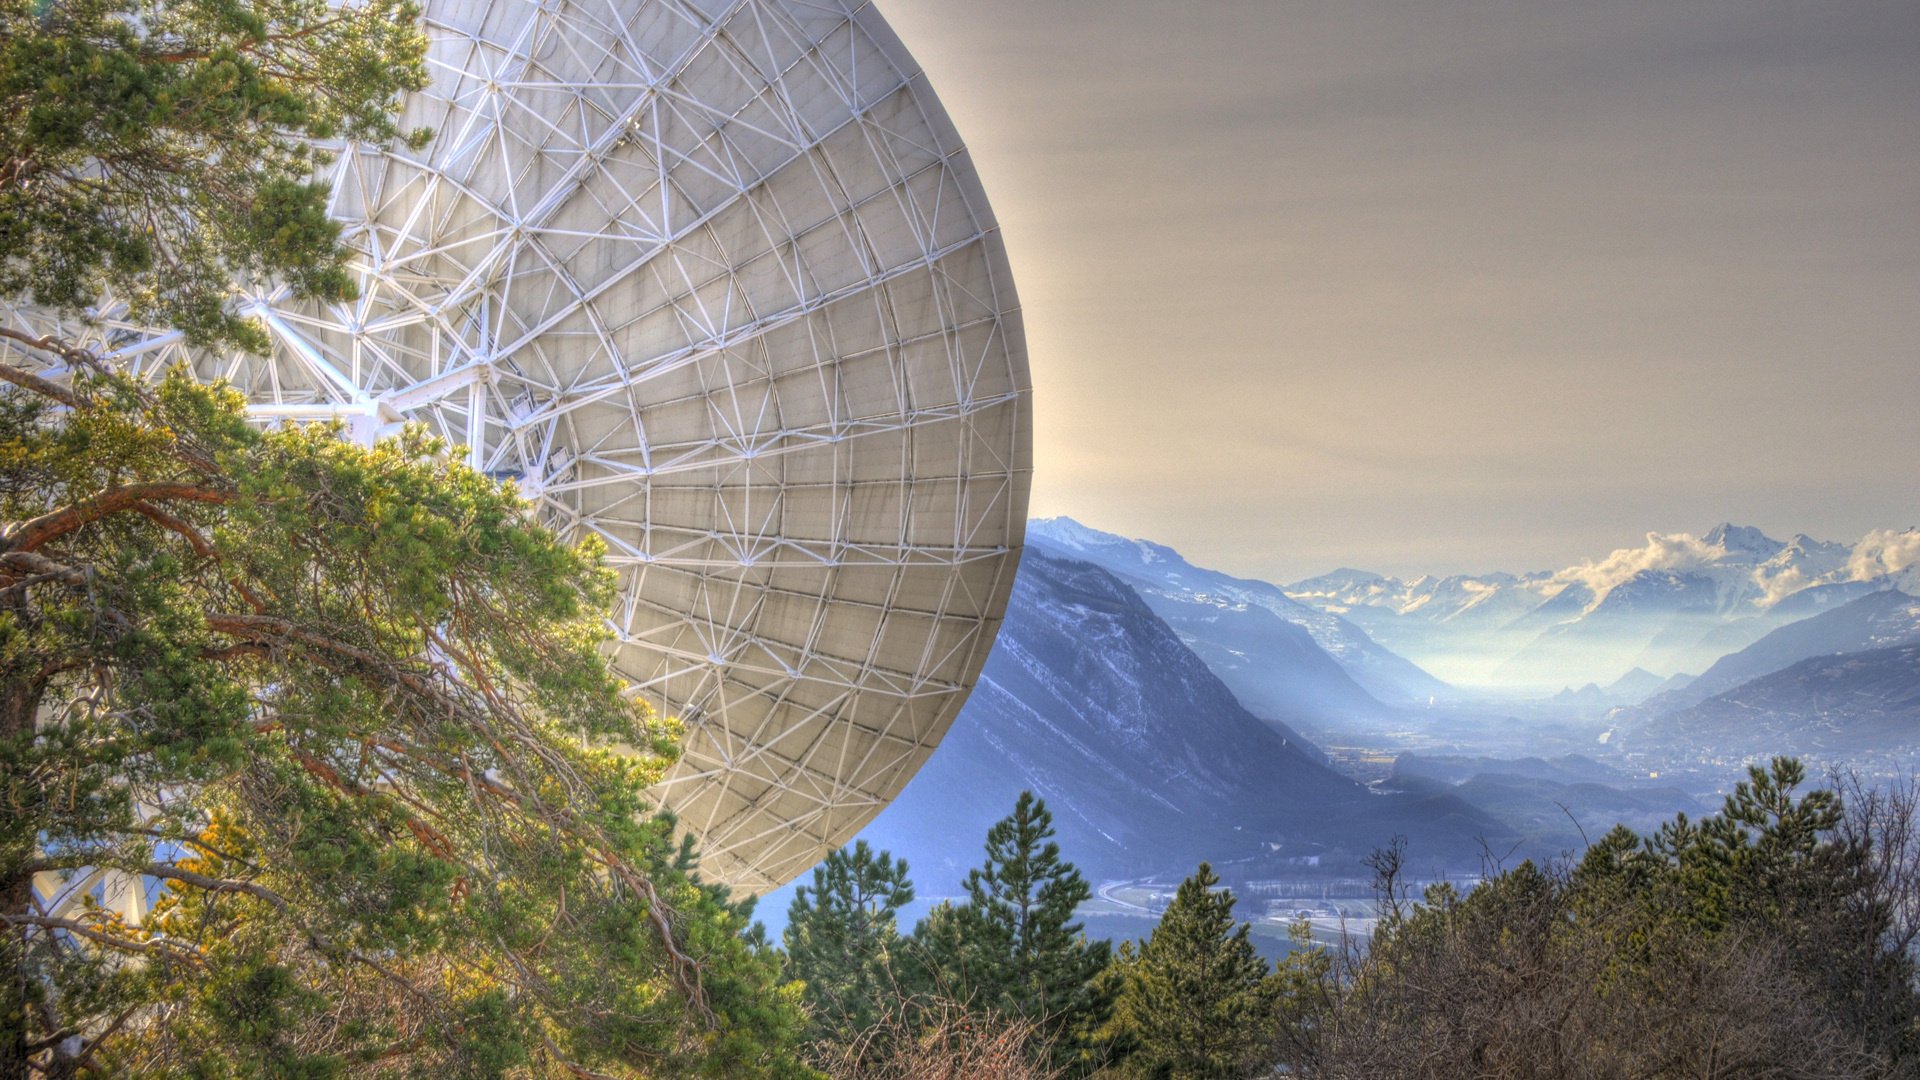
[715, 281]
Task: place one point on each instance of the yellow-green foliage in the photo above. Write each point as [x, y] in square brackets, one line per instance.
[160, 150]
[350, 705]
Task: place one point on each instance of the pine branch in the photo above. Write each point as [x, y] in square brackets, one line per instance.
[29, 535]
[152, 946]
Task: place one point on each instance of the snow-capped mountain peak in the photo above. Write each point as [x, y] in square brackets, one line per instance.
[1676, 602]
[1727, 562]
[1742, 541]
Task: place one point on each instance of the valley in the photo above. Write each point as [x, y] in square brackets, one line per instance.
[1169, 713]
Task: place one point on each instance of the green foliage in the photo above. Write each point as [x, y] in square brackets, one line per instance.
[841, 939]
[162, 151]
[1772, 864]
[1756, 942]
[348, 706]
[1195, 1001]
[1013, 947]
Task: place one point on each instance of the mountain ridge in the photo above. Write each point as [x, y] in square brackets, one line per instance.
[1222, 614]
[1834, 708]
[1877, 620]
[1678, 603]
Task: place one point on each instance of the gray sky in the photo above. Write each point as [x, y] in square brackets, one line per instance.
[1450, 286]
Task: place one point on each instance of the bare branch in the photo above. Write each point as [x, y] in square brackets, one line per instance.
[66, 351]
[152, 946]
[43, 568]
[171, 872]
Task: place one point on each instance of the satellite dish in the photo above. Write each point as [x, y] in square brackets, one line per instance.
[716, 281]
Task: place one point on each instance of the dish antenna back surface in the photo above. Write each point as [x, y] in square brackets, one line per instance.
[715, 281]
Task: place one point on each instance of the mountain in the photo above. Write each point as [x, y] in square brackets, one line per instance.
[1558, 803]
[1274, 667]
[1634, 686]
[1679, 602]
[1484, 600]
[1654, 618]
[1146, 760]
[1594, 701]
[1848, 707]
[1873, 621]
[1589, 700]
[1235, 624]
[1818, 598]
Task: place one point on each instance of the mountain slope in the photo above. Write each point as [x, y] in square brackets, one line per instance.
[1146, 760]
[1829, 707]
[1871, 622]
[1273, 667]
[1556, 802]
[1160, 570]
[1652, 619]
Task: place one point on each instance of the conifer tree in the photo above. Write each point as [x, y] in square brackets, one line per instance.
[317, 739]
[339, 714]
[1771, 863]
[841, 937]
[1195, 1001]
[1014, 946]
[158, 153]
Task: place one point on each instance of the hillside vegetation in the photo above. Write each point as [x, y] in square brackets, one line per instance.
[1771, 939]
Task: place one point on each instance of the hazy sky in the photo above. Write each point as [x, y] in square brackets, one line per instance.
[1448, 286]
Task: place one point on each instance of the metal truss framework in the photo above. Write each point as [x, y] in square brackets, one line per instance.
[716, 281]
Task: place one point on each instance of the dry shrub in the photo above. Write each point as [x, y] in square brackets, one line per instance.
[1518, 986]
[940, 1039]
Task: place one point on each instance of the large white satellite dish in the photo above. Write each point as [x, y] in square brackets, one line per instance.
[714, 279]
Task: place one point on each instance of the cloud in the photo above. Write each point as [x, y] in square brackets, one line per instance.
[1883, 552]
[1780, 585]
[1676, 551]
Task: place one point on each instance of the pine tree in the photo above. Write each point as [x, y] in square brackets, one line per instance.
[158, 152]
[1014, 947]
[1196, 1002]
[1772, 864]
[841, 937]
[337, 718]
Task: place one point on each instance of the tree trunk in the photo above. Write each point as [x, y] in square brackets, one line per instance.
[19, 704]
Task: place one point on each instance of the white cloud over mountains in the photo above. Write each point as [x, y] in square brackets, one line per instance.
[1676, 551]
[1884, 552]
[1773, 575]
[1778, 587]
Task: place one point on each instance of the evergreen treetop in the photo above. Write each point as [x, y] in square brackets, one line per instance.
[163, 152]
[1014, 947]
[1195, 1002]
[841, 937]
[1023, 899]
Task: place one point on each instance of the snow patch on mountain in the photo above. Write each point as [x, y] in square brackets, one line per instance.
[1439, 599]
[1743, 565]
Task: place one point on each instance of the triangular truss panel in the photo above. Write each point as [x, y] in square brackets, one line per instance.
[715, 280]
